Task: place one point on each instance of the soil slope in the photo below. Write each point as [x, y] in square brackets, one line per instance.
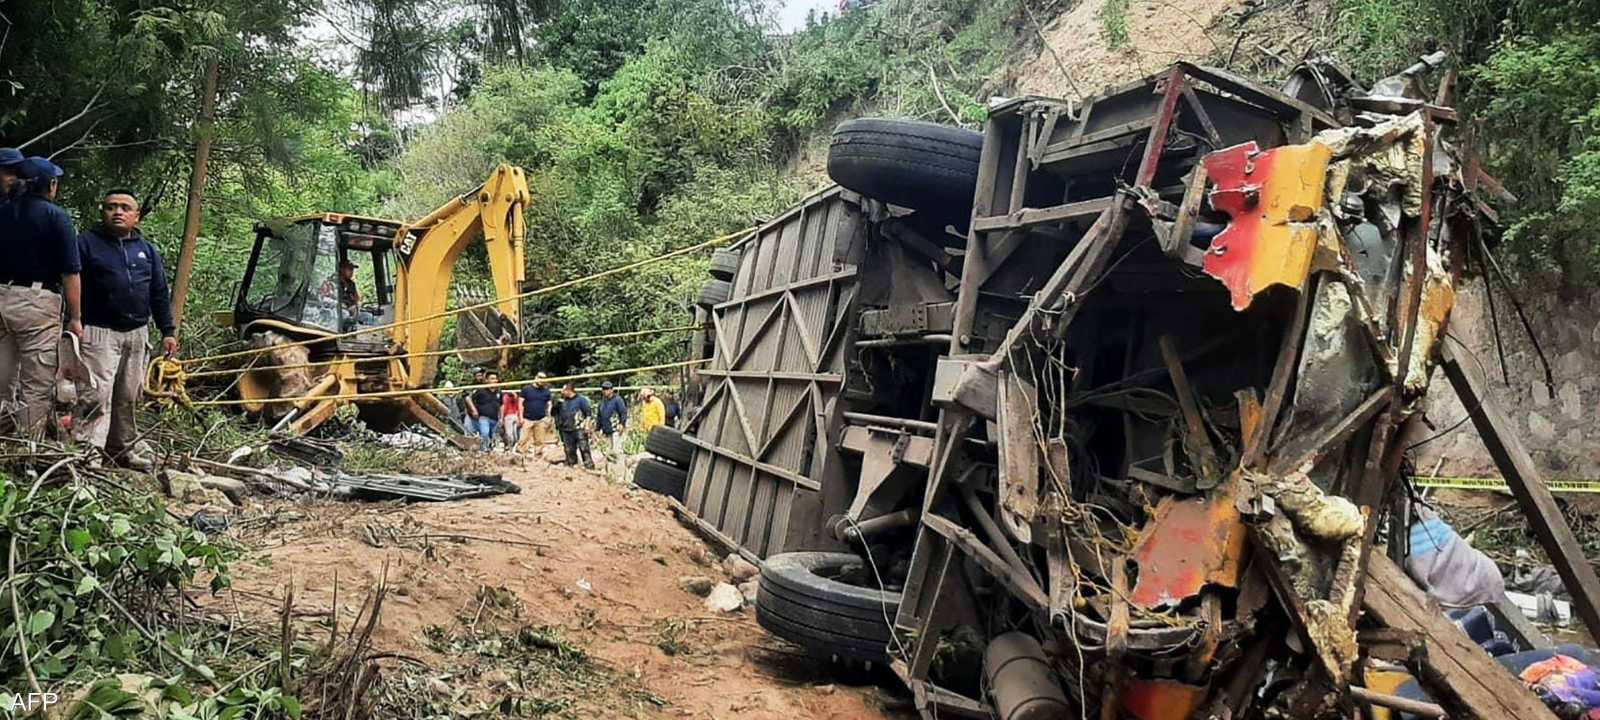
[576, 557]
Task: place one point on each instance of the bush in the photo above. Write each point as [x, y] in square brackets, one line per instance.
[73, 546]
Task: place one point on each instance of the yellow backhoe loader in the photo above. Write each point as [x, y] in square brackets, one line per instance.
[297, 299]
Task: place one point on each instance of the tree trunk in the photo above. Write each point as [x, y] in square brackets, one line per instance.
[197, 185]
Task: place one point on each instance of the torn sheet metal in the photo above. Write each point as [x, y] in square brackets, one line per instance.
[1314, 539]
[1315, 513]
[437, 488]
[1189, 544]
[1019, 459]
[1273, 198]
[1337, 369]
[1380, 162]
[1377, 175]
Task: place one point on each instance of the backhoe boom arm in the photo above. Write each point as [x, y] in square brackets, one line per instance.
[422, 278]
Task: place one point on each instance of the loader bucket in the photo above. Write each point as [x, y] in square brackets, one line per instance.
[483, 328]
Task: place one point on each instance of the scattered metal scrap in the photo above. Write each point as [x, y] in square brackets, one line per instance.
[317, 472]
[1148, 415]
[437, 488]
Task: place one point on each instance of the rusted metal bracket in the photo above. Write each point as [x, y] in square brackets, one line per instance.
[968, 383]
[1177, 238]
[1051, 114]
[1023, 586]
[1116, 641]
[882, 452]
[1286, 107]
[1171, 89]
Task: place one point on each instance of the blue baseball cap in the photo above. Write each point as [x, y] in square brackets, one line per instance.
[38, 168]
[10, 156]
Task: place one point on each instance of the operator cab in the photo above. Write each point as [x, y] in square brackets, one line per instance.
[294, 281]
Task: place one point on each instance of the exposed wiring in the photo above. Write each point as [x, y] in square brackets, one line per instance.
[1516, 304]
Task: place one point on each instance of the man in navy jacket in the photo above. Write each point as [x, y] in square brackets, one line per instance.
[124, 289]
[38, 280]
[571, 412]
[612, 419]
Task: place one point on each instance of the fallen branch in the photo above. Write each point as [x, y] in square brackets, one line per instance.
[1039, 32]
[465, 538]
[154, 639]
[16, 617]
[934, 79]
[88, 107]
[75, 143]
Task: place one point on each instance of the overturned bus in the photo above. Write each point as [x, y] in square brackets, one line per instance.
[1104, 409]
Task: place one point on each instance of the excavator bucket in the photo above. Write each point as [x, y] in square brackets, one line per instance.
[481, 332]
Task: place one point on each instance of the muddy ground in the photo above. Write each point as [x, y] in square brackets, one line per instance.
[560, 601]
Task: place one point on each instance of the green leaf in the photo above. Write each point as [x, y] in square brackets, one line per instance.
[120, 527]
[178, 693]
[40, 621]
[107, 697]
[87, 585]
[291, 706]
[116, 649]
[78, 539]
[51, 667]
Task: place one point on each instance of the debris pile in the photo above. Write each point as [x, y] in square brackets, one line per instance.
[1137, 441]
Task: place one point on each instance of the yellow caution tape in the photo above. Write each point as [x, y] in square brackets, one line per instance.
[556, 381]
[438, 353]
[1498, 485]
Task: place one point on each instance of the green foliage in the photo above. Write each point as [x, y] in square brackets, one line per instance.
[645, 127]
[238, 704]
[596, 38]
[648, 164]
[889, 58]
[1531, 73]
[1114, 20]
[75, 546]
[1543, 98]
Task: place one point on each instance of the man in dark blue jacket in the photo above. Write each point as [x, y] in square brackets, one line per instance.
[571, 412]
[38, 277]
[612, 419]
[124, 289]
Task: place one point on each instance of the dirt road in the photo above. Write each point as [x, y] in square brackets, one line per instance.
[562, 600]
